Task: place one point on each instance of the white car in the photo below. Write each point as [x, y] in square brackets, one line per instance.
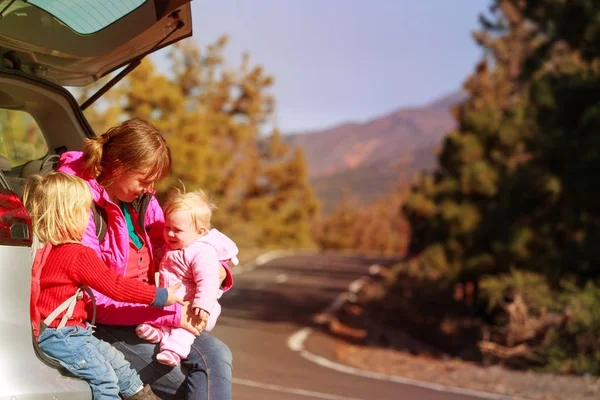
[46, 45]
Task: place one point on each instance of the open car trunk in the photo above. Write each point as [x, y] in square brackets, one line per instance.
[76, 42]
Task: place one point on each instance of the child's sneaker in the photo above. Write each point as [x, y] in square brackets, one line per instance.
[149, 333]
[167, 357]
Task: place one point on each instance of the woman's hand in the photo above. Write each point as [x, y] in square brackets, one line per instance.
[189, 321]
[173, 298]
[202, 314]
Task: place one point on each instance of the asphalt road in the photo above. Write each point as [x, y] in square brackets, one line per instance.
[277, 301]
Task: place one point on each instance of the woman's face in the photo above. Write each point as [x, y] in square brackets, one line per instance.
[129, 185]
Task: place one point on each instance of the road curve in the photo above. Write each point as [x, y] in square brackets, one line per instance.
[265, 319]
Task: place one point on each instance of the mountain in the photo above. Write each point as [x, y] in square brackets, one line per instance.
[371, 158]
[367, 183]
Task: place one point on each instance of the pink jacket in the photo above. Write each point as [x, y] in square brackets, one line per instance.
[114, 251]
[196, 266]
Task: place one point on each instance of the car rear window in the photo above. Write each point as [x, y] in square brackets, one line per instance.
[88, 16]
[21, 139]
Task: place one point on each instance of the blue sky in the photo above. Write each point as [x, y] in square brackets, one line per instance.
[337, 61]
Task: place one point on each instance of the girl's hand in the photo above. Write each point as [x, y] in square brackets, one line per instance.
[173, 298]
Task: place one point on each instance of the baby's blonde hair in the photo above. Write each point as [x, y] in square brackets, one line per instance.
[198, 202]
[57, 204]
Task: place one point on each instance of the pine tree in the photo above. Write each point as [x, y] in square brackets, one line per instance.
[459, 215]
[513, 206]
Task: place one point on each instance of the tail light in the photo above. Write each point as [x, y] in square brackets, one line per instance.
[15, 224]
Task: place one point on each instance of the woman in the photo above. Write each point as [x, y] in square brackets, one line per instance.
[121, 166]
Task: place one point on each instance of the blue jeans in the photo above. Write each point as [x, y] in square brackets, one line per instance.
[204, 375]
[94, 360]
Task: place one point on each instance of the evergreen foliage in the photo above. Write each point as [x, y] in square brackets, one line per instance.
[514, 208]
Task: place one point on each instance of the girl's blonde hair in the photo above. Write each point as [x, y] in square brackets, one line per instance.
[197, 202]
[134, 145]
[57, 204]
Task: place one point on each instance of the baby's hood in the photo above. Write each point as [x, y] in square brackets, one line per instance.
[226, 248]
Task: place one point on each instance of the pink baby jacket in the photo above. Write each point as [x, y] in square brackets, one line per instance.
[197, 268]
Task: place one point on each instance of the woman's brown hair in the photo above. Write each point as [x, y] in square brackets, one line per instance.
[134, 145]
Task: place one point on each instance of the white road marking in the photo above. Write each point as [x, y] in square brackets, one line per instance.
[269, 256]
[258, 261]
[283, 389]
[296, 343]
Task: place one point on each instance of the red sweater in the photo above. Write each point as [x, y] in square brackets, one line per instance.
[71, 265]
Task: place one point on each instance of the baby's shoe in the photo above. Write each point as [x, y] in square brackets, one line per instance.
[168, 357]
[144, 394]
[149, 333]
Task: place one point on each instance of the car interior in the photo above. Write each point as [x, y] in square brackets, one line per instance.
[45, 47]
[54, 118]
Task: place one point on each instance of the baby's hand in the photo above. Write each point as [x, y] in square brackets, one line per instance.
[203, 314]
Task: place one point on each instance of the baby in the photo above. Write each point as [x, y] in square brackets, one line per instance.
[196, 256]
